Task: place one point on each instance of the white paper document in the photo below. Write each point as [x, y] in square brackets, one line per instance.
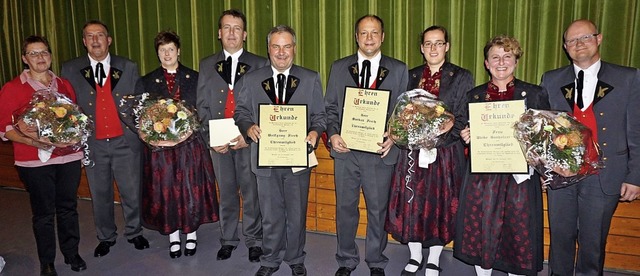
[222, 131]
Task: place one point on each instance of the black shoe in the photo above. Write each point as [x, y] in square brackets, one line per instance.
[405, 272]
[139, 242]
[48, 270]
[298, 270]
[225, 252]
[266, 271]
[103, 248]
[432, 266]
[376, 271]
[76, 262]
[190, 252]
[254, 254]
[344, 271]
[175, 254]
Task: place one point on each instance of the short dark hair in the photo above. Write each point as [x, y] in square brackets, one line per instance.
[234, 13]
[34, 39]
[95, 22]
[281, 29]
[166, 37]
[371, 16]
[435, 28]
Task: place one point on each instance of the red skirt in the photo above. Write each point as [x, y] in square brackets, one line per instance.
[423, 208]
[178, 191]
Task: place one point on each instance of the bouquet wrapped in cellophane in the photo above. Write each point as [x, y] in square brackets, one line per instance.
[165, 122]
[557, 146]
[53, 119]
[418, 120]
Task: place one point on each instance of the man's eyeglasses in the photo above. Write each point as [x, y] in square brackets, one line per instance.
[583, 39]
[34, 54]
[429, 44]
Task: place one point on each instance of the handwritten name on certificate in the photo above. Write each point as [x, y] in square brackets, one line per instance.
[364, 118]
[284, 128]
[493, 146]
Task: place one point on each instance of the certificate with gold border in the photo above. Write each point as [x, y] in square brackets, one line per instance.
[493, 146]
[284, 128]
[364, 118]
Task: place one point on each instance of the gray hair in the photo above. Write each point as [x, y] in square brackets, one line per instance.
[281, 29]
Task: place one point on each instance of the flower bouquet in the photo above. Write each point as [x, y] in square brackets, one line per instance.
[418, 120]
[165, 122]
[53, 119]
[557, 146]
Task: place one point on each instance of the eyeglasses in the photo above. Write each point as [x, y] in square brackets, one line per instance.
[583, 39]
[429, 44]
[34, 54]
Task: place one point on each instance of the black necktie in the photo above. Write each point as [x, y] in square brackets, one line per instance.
[365, 73]
[227, 70]
[100, 73]
[281, 84]
[579, 86]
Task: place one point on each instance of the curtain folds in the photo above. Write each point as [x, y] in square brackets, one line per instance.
[324, 29]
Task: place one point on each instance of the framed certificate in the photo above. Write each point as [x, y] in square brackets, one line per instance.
[284, 128]
[364, 118]
[493, 146]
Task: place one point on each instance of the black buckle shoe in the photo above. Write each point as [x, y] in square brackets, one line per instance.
[175, 254]
[405, 272]
[225, 252]
[76, 262]
[139, 242]
[190, 252]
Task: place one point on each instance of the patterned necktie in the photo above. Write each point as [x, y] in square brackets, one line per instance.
[365, 73]
[281, 84]
[579, 86]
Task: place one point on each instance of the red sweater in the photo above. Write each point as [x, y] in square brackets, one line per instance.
[15, 95]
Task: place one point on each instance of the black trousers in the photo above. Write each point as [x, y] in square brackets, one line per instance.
[53, 193]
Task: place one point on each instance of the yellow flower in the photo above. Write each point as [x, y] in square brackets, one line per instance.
[172, 108]
[162, 101]
[166, 121]
[60, 111]
[439, 110]
[563, 122]
[159, 127]
[561, 141]
[40, 105]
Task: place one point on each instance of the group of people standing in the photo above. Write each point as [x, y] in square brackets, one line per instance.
[495, 220]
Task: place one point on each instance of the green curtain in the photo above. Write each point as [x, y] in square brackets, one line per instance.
[324, 29]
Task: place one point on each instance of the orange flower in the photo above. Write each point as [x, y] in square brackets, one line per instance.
[574, 139]
[166, 121]
[60, 111]
[159, 127]
[561, 141]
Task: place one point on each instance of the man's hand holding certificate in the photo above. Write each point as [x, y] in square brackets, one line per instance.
[282, 136]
